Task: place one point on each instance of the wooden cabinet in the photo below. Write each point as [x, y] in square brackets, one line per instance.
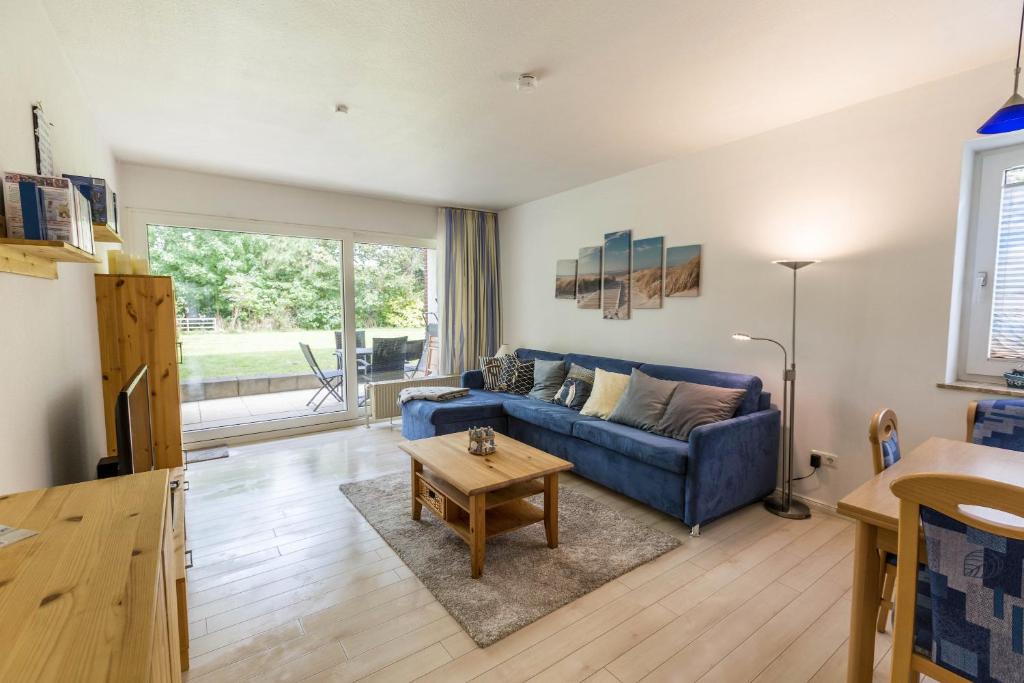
[137, 325]
[92, 596]
[178, 542]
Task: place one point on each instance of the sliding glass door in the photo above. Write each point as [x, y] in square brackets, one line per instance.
[285, 331]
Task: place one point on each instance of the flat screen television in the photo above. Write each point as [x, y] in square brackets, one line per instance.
[133, 425]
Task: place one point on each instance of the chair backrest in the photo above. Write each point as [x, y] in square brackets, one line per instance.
[339, 339]
[975, 581]
[998, 423]
[414, 349]
[361, 338]
[388, 357]
[885, 440]
[311, 359]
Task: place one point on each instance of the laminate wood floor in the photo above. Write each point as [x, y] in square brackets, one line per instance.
[290, 583]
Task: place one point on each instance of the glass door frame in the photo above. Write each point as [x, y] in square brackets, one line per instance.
[137, 243]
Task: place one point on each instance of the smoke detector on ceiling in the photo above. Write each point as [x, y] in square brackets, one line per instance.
[526, 83]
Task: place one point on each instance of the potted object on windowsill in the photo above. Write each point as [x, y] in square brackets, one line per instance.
[1015, 378]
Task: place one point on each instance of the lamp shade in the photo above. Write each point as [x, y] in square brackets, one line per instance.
[741, 336]
[1010, 117]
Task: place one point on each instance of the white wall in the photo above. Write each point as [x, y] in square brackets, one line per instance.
[872, 190]
[152, 191]
[51, 420]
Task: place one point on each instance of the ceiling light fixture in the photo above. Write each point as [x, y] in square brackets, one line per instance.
[1011, 115]
[526, 83]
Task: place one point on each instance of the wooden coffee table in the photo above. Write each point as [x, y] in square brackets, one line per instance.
[483, 496]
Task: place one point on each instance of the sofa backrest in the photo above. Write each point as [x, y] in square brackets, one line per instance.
[753, 401]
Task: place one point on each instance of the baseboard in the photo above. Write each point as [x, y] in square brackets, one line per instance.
[814, 503]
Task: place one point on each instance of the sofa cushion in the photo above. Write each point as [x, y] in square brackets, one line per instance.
[659, 451]
[575, 391]
[491, 369]
[693, 405]
[605, 394]
[644, 402]
[547, 415]
[548, 376]
[479, 404]
[729, 380]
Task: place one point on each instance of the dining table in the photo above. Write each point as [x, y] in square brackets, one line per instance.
[875, 510]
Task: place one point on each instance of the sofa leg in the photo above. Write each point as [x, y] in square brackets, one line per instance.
[695, 530]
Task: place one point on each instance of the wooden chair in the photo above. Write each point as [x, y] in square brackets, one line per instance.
[885, 450]
[998, 422]
[974, 560]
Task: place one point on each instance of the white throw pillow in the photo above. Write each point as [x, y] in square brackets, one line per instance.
[608, 389]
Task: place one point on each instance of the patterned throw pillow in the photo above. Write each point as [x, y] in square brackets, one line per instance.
[491, 368]
[519, 375]
[576, 388]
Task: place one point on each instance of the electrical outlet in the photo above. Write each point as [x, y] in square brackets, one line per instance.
[826, 459]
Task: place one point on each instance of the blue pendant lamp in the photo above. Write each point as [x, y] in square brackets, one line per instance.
[1011, 115]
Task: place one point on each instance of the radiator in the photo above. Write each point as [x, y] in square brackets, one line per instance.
[384, 395]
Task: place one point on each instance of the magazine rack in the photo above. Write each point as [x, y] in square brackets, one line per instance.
[39, 258]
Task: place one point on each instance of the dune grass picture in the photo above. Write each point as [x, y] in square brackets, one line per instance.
[615, 280]
[682, 271]
[565, 279]
[588, 278]
[646, 280]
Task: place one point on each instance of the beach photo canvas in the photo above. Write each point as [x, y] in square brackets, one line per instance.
[588, 278]
[565, 279]
[646, 280]
[615, 280]
[682, 271]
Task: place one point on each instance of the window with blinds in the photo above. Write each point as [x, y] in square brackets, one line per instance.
[1006, 334]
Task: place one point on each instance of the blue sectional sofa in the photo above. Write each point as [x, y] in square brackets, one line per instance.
[723, 466]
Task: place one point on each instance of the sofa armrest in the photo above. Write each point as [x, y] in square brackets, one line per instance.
[731, 463]
[473, 379]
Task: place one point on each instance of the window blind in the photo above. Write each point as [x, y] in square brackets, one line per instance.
[1006, 337]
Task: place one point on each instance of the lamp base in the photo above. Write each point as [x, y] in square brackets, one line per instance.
[776, 505]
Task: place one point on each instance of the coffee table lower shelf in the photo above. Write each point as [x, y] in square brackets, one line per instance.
[504, 510]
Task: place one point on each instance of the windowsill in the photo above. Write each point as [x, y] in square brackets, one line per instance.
[981, 388]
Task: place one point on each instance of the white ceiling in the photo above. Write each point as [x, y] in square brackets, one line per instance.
[247, 87]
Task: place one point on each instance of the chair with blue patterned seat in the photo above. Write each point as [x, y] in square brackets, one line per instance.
[974, 537]
[885, 450]
[998, 423]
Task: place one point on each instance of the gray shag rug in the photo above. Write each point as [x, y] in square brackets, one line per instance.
[523, 579]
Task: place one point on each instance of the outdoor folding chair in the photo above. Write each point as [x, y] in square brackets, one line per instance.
[330, 381]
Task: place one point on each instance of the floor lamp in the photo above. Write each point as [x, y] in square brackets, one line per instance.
[782, 503]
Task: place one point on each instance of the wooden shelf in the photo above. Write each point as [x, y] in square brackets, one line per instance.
[103, 233]
[39, 258]
[512, 515]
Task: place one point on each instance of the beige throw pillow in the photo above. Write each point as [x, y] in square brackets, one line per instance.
[608, 389]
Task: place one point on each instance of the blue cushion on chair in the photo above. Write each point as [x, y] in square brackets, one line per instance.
[976, 585]
[548, 415]
[659, 451]
[890, 451]
[1000, 423]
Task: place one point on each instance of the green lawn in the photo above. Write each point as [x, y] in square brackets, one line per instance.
[252, 354]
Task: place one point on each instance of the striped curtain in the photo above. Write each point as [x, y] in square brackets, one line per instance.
[471, 326]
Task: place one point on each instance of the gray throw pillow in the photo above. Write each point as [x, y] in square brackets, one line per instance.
[693, 405]
[548, 376]
[644, 402]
